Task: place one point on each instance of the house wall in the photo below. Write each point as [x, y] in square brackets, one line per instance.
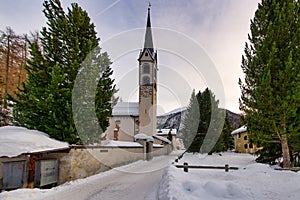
[174, 145]
[242, 144]
[126, 131]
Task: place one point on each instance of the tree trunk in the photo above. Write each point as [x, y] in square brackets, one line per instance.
[285, 152]
[7, 64]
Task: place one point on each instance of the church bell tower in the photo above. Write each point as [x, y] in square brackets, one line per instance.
[147, 84]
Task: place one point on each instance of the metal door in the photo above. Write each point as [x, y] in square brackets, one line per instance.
[13, 174]
[46, 172]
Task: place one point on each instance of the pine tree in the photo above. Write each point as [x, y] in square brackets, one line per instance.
[5, 114]
[45, 101]
[225, 141]
[201, 130]
[271, 92]
[191, 123]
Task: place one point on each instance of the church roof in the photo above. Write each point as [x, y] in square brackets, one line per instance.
[148, 36]
[126, 109]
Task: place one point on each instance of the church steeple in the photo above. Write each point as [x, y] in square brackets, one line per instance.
[147, 83]
[148, 36]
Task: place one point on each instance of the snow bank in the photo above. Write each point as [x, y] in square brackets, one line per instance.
[251, 181]
[121, 144]
[18, 140]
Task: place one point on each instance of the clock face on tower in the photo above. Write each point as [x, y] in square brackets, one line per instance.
[146, 91]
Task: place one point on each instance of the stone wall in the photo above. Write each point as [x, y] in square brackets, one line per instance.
[159, 151]
[83, 161]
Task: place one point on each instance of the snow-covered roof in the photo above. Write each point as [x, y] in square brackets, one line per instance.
[121, 144]
[19, 140]
[162, 139]
[242, 129]
[166, 131]
[126, 109]
[142, 136]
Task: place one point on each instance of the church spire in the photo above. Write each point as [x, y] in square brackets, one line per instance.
[148, 36]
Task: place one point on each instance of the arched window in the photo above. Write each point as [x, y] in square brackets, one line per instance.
[146, 80]
[146, 68]
[246, 146]
[245, 137]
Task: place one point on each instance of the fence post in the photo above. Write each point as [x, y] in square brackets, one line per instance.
[226, 168]
[185, 167]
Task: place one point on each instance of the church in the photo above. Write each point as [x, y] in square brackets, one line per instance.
[130, 119]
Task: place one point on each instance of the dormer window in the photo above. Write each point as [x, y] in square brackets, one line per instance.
[146, 54]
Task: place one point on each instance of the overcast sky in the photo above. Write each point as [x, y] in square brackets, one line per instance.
[200, 43]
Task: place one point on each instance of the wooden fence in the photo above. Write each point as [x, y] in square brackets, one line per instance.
[295, 169]
[185, 167]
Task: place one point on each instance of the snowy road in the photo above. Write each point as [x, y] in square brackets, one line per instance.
[139, 180]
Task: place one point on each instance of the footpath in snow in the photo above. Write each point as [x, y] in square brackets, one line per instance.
[251, 181]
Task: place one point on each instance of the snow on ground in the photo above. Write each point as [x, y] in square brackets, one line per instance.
[251, 181]
[17, 140]
[158, 179]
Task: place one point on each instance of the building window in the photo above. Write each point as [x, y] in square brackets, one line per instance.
[245, 137]
[246, 146]
[146, 80]
[146, 68]
[239, 135]
[251, 146]
[146, 54]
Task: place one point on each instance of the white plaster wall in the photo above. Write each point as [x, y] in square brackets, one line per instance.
[126, 131]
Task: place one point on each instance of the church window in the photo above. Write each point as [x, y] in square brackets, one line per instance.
[146, 80]
[146, 68]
